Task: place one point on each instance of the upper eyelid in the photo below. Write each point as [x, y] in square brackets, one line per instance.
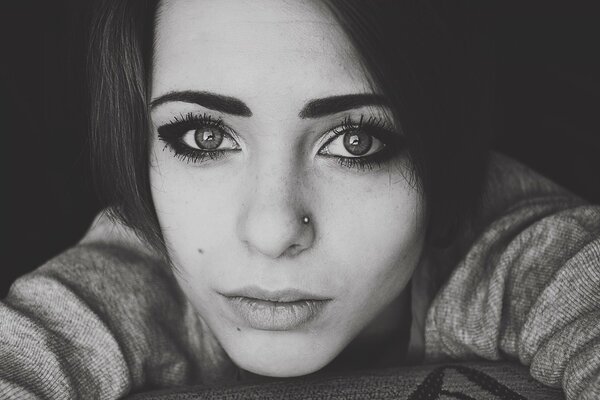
[370, 123]
[191, 117]
[378, 122]
[194, 118]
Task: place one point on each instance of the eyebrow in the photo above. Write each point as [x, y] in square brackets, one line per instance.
[212, 101]
[330, 105]
[313, 109]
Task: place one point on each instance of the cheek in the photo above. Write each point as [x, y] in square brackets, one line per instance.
[195, 210]
[374, 229]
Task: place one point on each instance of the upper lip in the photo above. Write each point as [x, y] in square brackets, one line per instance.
[284, 295]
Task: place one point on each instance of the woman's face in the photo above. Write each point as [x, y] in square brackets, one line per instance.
[263, 115]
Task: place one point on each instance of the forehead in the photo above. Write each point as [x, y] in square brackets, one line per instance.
[254, 48]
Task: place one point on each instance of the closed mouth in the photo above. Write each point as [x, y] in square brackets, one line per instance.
[276, 315]
[279, 296]
[275, 310]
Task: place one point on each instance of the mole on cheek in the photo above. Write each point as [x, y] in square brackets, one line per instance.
[200, 251]
[238, 329]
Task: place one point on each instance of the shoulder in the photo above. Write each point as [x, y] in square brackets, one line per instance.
[526, 284]
[109, 303]
[527, 230]
[109, 268]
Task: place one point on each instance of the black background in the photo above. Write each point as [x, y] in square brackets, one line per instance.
[548, 103]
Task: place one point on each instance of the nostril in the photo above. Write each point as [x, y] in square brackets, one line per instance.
[274, 232]
[292, 251]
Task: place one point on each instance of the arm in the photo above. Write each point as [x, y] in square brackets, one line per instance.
[100, 321]
[528, 288]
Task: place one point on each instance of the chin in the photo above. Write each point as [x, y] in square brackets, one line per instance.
[284, 357]
[281, 369]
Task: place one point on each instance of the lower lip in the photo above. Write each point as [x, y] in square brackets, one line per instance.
[276, 316]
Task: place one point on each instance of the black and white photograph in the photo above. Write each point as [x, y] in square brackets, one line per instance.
[300, 199]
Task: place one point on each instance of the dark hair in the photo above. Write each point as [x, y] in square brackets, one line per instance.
[119, 66]
[436, 78]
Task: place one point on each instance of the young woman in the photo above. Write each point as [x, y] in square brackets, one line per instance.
[298, 186]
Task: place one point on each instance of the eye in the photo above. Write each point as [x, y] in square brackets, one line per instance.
[209, 139]
[363, 145]
[353, 143]
[198, 138]
[362, 139]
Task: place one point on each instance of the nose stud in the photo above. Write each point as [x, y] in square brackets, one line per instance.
[305, 220]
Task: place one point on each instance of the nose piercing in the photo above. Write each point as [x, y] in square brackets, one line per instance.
[305, 220]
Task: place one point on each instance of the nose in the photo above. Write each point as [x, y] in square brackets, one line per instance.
[272, 220]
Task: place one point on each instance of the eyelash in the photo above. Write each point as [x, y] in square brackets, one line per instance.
[172, 133]
[376, 127]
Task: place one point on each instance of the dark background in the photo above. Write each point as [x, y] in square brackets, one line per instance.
[548, 99]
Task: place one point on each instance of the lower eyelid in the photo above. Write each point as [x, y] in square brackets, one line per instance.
[391, 146]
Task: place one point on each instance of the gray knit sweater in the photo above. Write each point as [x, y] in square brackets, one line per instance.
[106, 317]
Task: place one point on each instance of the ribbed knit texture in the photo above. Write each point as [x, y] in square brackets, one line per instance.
[528, 288]
[106, 317]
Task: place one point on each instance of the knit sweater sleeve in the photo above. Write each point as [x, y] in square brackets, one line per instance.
[528, 288]
[98, 322]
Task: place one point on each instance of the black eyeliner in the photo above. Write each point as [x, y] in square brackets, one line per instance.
[173, 131]
[393, 141]
[183, 123]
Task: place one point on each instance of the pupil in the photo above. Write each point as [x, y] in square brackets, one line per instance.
[208, 139]
[357, 143]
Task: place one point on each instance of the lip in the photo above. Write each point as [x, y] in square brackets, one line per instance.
[284, 296]
[280, 310]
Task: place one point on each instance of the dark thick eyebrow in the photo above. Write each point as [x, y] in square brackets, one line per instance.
[212, 101]
[330, 105]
